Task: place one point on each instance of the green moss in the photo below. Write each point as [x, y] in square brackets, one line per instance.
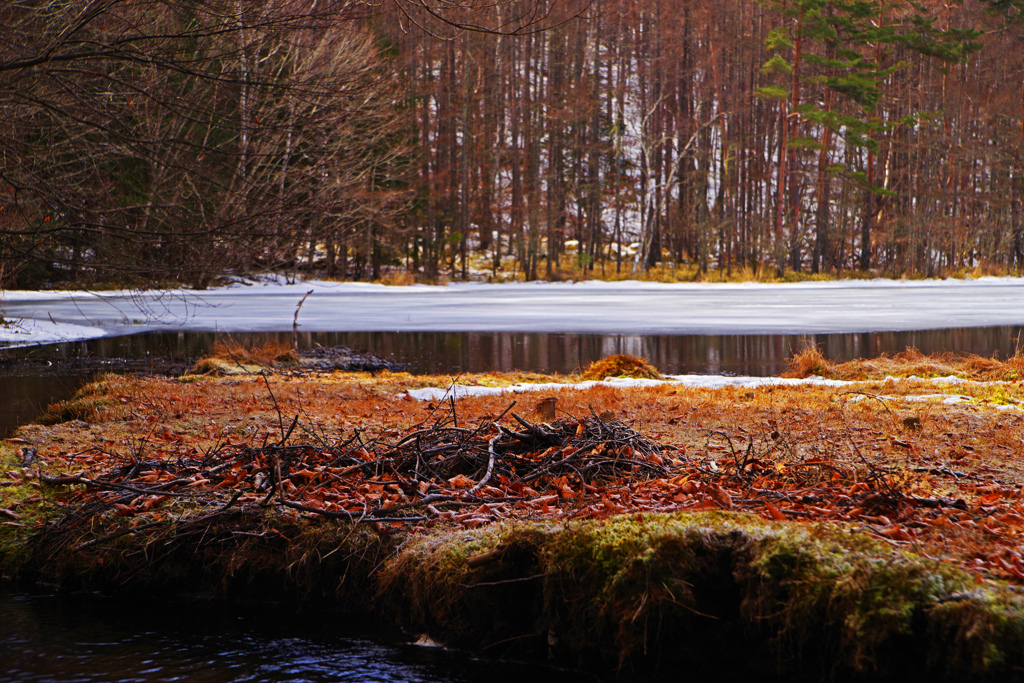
[429, 586]
[23, 497]
[10, 465]
[997, 394]
[696, 588]
[241, 556]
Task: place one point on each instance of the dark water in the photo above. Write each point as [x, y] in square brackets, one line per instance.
[62, 639]
[37, 376]
[442, 352]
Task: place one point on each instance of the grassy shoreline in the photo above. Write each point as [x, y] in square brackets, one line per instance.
[856, 533]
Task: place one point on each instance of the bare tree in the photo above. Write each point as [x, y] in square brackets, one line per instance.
[166, 140]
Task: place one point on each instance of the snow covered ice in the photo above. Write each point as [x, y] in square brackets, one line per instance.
[591, 307]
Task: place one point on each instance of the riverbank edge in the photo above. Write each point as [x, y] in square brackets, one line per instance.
[651, 597]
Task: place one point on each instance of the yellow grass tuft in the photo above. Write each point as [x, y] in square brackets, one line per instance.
[398, 278]
[621, 365]
[267, 353]
[809, 362]
[908, 363]
[231, 357]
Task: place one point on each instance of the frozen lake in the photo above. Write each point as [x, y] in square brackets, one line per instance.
[604, 308]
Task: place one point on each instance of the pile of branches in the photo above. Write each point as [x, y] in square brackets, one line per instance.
[378, 481]
[585, 449]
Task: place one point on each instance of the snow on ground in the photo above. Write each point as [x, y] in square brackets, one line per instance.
[695, 381]
[587, 307]
[703, 381]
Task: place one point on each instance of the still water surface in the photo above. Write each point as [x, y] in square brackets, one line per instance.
[455, 352]
[61, 639]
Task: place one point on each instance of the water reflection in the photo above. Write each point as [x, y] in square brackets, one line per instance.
[453, 352]
[86, 639]
[758, 355]
[24, 397]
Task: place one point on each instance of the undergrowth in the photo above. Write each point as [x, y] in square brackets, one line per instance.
[266, 352]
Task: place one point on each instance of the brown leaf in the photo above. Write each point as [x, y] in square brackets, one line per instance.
[721, 496]
[461, 481]
[543, 501]
[689, 487]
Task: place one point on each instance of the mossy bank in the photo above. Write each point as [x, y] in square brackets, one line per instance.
[667, 596]
[652, 597]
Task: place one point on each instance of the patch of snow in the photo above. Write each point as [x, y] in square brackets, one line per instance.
[28, 332]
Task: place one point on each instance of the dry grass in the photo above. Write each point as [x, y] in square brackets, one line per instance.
[229, 357]
[908, 363]
[398, 278]
[620, 365]
[268, 353]
[808, 362]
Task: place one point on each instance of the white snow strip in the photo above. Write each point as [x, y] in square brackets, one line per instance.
[689, 381]
[697, 382]
[951, 379]
[947, 399]
[718, 381]
[593, 307]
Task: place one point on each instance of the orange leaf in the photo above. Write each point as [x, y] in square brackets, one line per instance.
[721, 496]
[775, 513]
[461, 481]
[689, 487]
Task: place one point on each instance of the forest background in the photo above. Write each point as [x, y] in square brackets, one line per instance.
[179, 141]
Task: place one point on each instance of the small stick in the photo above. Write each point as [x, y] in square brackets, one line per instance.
[490, 463]
[486, 557]
[295, 322]
[352, 516]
